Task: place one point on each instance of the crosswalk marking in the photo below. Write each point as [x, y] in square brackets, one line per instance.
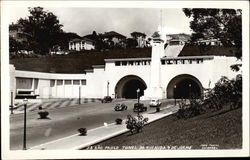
[55, 104]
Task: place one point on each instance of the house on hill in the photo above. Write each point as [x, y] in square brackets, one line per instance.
[16, 32]
[78, 44]
[209, 41]
[114, 38]
[175, 39]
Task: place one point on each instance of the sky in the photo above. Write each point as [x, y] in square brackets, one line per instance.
[84, 21]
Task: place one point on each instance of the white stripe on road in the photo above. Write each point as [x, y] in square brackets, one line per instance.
[38, 146]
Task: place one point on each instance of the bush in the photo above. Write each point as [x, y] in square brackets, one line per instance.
[189, 110]
[226, 91]
[118, 121]
[82, 131]
[43, 114]
[134, 124]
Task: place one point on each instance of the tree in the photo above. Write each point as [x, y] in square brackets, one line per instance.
[44, 28]
[131, 43]
[135, 35]
[224, 24]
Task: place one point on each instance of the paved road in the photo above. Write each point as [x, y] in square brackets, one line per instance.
[64, 122]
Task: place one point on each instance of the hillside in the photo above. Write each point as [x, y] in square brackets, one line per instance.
[77, 62]
[213, 130]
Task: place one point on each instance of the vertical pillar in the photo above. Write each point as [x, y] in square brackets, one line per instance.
[63, 88]
[155, 90]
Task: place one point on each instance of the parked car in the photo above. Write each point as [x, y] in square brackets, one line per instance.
[139, 107]
[120, 107]
[155, 103]
[106, 99]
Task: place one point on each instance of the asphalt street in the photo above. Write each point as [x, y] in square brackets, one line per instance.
[64, 122]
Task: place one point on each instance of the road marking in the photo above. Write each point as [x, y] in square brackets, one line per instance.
[40, 145]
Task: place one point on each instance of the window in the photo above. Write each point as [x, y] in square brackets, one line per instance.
[76, 82]
[52, 83]
[68, 82]
[59, 82]
[117, 63]
[83, 82]
[131, 63]
[124, 63]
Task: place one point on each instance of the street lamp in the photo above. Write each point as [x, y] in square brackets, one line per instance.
[11, 105]
[108, 88]
[175, 95]
[25, 101]
[138, 90]
[189, 90]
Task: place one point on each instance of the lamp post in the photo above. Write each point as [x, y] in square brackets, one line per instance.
[25, 101]
[175, 95]
[189, 90]
[11, 105]
[138, 90]
[108, 88]
[79, 94]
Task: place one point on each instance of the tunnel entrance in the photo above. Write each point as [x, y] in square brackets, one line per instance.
[127, 87]
[184, 87]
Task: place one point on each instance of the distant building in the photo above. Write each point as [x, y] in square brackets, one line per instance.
[210, 41]
[114, 38]
[16, 32]
[78, 44]
[141, 40]
[175, 39]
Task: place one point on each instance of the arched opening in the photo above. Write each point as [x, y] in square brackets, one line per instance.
[128, 85]
[184, 87]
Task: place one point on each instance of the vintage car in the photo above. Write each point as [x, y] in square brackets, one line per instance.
[120, 107]
[155, 103]
[139, 107]
[106, 99]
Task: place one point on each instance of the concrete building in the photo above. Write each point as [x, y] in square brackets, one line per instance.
[163, 75]
[78, 44]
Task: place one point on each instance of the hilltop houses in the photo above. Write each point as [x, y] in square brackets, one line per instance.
[113, 38]
[79, 44]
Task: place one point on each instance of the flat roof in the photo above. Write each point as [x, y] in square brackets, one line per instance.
[189, 57]
[126, 59]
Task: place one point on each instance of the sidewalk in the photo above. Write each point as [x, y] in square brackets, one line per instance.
[99, 134]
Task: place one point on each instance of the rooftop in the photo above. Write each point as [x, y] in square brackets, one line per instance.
[113, 34]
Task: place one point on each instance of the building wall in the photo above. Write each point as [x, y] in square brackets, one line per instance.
[94, 84]
[48, 85]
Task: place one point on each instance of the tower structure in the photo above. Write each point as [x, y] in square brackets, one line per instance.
[155, 90]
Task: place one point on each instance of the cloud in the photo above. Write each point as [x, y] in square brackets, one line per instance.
[123, 20]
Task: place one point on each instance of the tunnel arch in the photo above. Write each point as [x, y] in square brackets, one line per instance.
[184, 86]
[126, 87]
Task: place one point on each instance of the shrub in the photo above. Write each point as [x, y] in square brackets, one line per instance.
[82, 131]
[43, 114]
[118, 121]
[189, 110]
[134, 124]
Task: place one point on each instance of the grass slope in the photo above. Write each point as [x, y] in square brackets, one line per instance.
[222, 129]
[77, 62]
